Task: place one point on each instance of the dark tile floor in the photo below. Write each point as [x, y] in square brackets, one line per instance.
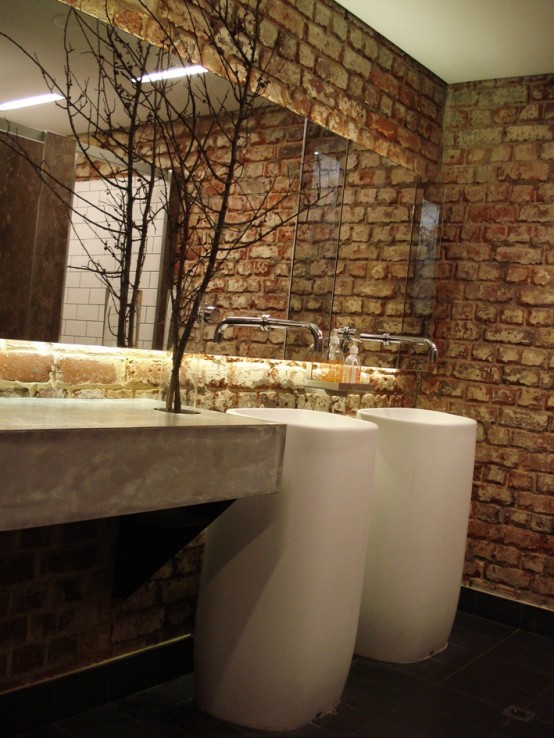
[493, 681]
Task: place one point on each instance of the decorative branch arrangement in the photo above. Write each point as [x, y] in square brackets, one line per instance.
[180, 127]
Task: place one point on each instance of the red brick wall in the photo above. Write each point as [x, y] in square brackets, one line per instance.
[494, 323]
[57, 612]
[326, 65]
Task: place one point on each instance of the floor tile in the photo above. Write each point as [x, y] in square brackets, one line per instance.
[51, 731]
[418, 717]
[477, 634]
[107, 722]
[462, 707]
[489, 689]
[374, 689]
[306, 731]
[483, 626]
[442, 665]
[543, 705]
[532, 642]
[386, 728]
[533, 729]
[461, 692]
[515, 667]
[345, 721]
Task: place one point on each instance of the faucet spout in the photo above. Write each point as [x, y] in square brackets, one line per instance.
[266, 322]
[233, 320]
[386, 339]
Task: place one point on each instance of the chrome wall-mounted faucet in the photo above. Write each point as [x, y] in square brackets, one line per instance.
[265, 323]
[387, 338]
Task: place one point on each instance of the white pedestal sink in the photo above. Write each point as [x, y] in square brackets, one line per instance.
[417, 532]
[282, 580]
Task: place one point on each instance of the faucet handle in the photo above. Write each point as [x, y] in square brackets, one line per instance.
[346, 333]
[208, 314]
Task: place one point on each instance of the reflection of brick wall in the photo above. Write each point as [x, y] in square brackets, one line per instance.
[255, 279]
[330, 66]
[357, 198]
[375, 243]
[495, 323]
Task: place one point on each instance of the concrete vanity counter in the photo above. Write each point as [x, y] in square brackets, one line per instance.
[67, 460]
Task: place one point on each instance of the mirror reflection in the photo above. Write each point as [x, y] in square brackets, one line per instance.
[360, 254]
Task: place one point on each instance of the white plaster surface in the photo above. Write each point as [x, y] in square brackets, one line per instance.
[64, 460]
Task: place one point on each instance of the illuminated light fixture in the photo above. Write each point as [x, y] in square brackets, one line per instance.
[27, 102]
[173, 73]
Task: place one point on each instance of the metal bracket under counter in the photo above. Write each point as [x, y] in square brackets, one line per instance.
[147, 541]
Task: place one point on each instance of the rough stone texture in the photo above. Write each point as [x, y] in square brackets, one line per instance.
[337, 61]
[495, 276]
[495, 324]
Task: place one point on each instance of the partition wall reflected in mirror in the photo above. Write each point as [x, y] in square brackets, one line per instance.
[363, 254]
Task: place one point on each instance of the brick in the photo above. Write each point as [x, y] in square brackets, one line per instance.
[526, 171]
[537, 213]
[27, 659]
[138, 624]
[528, 133]
[523, 539]
[69, 559]
[288, 18]
[332, 72]
[356, 62]
[16, 568]
[30, 598]
[508, 575]
[536, 503]
[524, 419]
[63, 651]
[76, 370]
[535, 296]
[508, 335]
[13, 631]
[501, 96]
[533, 562]
[478, 137]
[517, 375]
[25, 366]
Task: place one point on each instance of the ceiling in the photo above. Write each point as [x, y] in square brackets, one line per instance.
[467, 40]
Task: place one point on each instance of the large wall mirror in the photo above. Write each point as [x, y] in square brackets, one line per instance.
[362, 255]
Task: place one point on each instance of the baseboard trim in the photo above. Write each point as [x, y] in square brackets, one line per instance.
[510, 612]
[38, 705]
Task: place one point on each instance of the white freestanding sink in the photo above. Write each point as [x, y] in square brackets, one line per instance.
[417, 532]
[282, 579]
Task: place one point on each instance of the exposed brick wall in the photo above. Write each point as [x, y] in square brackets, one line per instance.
[495, 323]
[57, 612]
[365, 203]
[329, 66]
[494, 317]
